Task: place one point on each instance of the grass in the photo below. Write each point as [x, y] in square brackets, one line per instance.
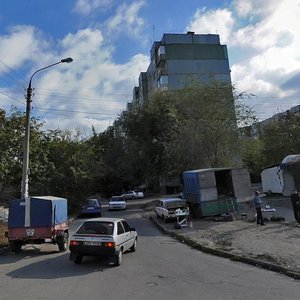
[3, 239]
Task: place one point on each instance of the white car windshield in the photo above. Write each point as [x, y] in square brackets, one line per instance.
[117, 199]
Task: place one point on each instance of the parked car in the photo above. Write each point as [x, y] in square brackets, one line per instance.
[166, 208]
[103, 237]
[117, 202]
[140, 194]
[130, 195]
[91, 207]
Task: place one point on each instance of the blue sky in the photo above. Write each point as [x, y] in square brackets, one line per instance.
[110, 41]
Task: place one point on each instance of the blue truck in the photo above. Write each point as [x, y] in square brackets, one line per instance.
[37, 220]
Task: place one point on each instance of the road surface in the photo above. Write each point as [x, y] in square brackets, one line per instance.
[162, 268]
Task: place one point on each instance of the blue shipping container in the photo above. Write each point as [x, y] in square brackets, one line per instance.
[191, 187]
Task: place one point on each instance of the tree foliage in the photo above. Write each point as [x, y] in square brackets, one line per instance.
[281, 138]
[195, 127]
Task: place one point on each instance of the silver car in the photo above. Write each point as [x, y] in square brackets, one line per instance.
[130, 195]
[107, 237]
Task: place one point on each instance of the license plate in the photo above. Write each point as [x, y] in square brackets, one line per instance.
[90, 208]
[92, 243]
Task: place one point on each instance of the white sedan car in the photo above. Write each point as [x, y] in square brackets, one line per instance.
[103, 237]
[117, 202]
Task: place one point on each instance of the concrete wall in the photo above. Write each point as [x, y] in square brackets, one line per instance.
[242, 185]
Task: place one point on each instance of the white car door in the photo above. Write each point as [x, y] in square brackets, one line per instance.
[121, 236]
[130, 235]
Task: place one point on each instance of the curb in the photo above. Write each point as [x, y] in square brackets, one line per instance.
[251, 261]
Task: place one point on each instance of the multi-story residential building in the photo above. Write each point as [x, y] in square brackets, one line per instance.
[252, 130]
[179, 58]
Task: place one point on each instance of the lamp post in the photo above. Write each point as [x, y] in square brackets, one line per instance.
[24, 184]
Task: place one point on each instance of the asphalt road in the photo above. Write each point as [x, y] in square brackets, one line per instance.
[162, 268]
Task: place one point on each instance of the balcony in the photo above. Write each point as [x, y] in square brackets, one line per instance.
[161, 56]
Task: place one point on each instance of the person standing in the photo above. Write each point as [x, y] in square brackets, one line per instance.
[258, 204]
[296, 205]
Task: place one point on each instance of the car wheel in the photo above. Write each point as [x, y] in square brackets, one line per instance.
[78, 259]
[118, 258]
[62, 242]
[15, 246]
[133, 247]
[164, 218]
[132, 197]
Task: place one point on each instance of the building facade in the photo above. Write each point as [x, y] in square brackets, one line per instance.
[178, 59]
[252, 130]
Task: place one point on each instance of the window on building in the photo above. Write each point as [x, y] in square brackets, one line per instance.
[163, 81]
[161, 50]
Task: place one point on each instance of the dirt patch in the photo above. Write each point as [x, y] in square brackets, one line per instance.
[3, 239]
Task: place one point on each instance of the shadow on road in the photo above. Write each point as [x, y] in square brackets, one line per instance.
[60, 267]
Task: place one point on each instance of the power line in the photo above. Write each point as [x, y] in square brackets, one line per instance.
[54, 95]
[42, 116]
[75, 111]
[10, 77]
[11, 97]
[82, 92]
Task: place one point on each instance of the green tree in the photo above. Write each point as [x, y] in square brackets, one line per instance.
[206, 134]
[252, 157]
[281, 138]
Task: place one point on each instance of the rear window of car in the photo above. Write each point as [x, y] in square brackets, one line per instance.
[95, 227]
[93, 202]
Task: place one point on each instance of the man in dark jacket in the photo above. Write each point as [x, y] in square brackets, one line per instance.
[258, 204]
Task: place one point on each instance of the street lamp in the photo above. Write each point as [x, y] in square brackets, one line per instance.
[24, 184]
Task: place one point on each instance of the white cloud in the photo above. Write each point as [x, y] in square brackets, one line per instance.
[92, 90]
[23, 43]
[95, 84]
[253, 8]
[85, 7]
[218, 21]
[126, 19]
[263, 37]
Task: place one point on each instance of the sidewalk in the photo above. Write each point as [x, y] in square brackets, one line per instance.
[275, 246]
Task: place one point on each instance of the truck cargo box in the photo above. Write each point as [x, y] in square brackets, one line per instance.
[45, 211]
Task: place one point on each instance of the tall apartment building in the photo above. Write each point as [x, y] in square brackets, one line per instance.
[179, 58]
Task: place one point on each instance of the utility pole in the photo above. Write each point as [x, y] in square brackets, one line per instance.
[25, 172]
